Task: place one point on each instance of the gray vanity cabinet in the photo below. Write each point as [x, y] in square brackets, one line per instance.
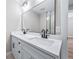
[23, 50]
[17, 50]
[35, 53]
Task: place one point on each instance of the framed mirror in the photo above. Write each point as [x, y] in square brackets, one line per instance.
[42, 16]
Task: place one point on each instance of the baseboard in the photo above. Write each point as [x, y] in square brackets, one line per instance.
[8, 53]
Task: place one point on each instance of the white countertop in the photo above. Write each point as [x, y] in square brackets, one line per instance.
[52, 46]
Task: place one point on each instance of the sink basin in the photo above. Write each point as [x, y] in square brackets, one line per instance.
[30, 36]
[38, 40]
[42, 41]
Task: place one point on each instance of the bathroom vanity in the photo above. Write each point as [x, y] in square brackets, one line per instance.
[36, 15]
[32, 46]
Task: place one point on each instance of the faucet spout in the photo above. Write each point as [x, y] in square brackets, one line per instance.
[44, 33]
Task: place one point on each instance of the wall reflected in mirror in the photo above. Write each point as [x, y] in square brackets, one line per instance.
[41, 17]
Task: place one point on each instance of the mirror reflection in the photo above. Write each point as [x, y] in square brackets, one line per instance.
[42, 16]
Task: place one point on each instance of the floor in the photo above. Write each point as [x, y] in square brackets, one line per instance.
[10, 56]
[70, 50]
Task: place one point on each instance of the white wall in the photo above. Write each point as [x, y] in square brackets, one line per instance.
[63, 14]
[12, 19]
[31, 21]
[70, 23]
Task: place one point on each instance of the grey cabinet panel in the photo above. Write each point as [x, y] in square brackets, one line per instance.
[25, 54]
[37, 54]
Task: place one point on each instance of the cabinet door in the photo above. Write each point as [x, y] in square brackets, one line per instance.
[25, 54]
[16, 49]
[18, 54]
[35, 53]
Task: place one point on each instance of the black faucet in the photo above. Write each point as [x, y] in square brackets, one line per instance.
[44, 33]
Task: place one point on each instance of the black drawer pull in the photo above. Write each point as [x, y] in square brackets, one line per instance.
[18, 51]
[19, 43]
[13, 45]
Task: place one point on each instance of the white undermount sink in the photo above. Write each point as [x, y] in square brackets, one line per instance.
[42, 41]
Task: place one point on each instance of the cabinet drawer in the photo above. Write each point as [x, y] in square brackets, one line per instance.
[36, 54]
[16, 41]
